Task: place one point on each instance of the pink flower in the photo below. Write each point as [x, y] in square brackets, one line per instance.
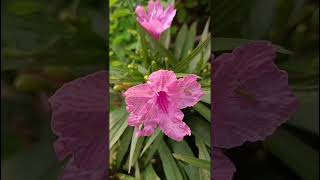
[156, 19]
[251, 98]
[159, 102]
[79, 119]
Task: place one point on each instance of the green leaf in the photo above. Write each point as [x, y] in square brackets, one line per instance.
[203, 151]
[151, 140]
[200, 163]
[149, 173]
[121, 176]
[307, 116]
[165, 38]
[153, 45]
[120, 13]
[200, 128]
[116, 116]
[200, 61]
[302, 159]
[152, 149]
[183, 148]
[180, 41]
[112, 2]
[144, 45]
[184, 63]
[203, 154]
[117, 131]
[135, 148]
[203, 110]
[190, 39]
[205, 33]
[124, 144]
[225, 44]
[137, 170]
[169, 165]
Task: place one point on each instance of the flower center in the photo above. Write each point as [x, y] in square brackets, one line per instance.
[162, 101]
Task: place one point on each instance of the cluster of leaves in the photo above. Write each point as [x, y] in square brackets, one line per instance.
[157, 156]
[293, 24]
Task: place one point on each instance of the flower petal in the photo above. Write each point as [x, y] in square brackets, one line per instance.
[223, 168]
[155, 9]
[72, 172]
[186, 92]
[167, 17]
[160, 80]
[79, 118]
[251, 96]
[154, 28]
[137, 98]
[141, 14]
[172, 125]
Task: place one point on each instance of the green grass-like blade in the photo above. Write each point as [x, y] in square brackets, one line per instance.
[200, 163]
[169, 165]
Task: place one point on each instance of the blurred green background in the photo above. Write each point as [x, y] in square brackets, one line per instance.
[292, 153]
[43, 44]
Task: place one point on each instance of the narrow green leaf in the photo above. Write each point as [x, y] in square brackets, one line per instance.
[203, 154]
[224, 44]
[200, 163]
[166, 38]
[115, 136]
[180, 41]
[149, 173]
[201, 128]
[205, 33]
[124, 144]
[121, 176]
[184, 63]
[144, 45]
[190, 39]
[150, 140]
[183, 148]
[135, 148]
[203, 110]
[302, 159]
[134, 141]
[169, 165]
[116, 115]
[152, 149]
[137, 171]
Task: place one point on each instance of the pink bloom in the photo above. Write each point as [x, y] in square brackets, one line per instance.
[72, 172]
[159, 102]
[79, 119]
[251, 98]
[156, 19]
[223, 168]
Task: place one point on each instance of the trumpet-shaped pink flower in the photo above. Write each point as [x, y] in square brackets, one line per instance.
[156, 19]
[159, 102]
[251, 98]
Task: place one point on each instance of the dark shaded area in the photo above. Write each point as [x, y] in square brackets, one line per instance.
[43, 45]
[292, 153]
